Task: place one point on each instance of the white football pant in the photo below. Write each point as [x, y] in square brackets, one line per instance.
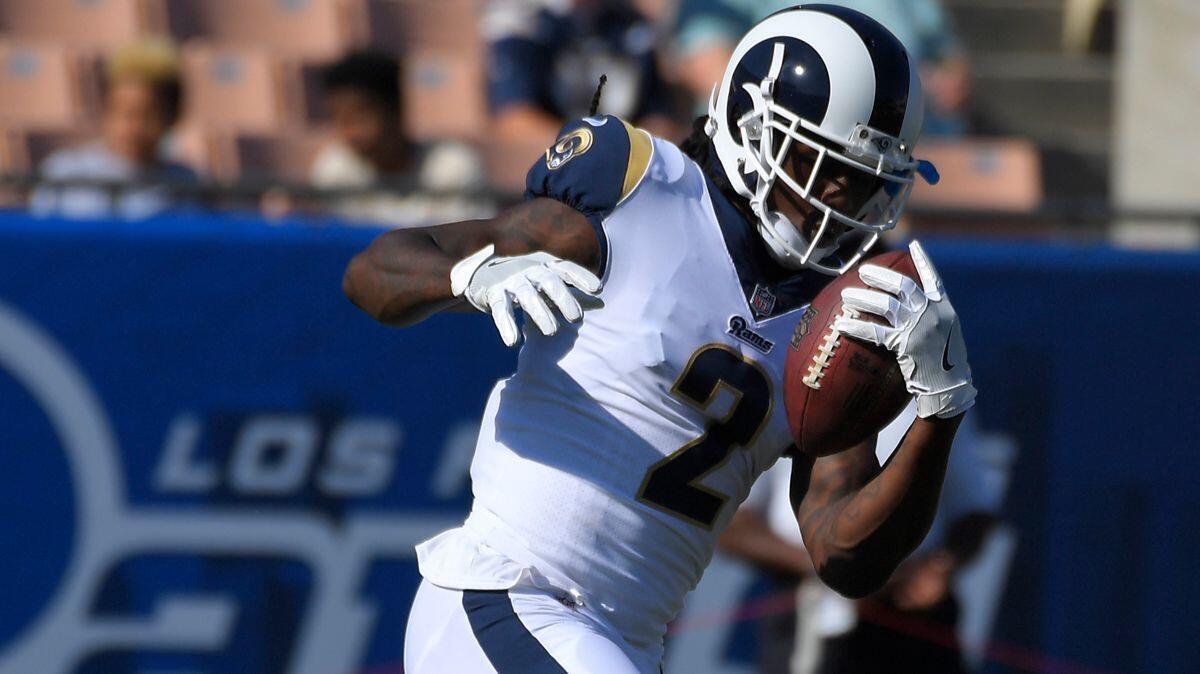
[524, 630]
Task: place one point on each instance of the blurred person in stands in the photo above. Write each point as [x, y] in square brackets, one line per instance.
[371, 150]
[142, 94]
[759, 536]
[707, 30]
[547, 56]
[829, 634]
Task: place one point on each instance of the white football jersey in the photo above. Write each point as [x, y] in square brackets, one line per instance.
[608, 463]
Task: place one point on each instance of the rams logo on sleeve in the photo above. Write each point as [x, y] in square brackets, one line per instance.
[568, 147]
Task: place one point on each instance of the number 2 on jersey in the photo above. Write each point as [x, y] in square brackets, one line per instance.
[673, 484]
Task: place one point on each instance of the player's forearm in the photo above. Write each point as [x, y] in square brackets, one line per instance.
[860, 539]
[402, 278]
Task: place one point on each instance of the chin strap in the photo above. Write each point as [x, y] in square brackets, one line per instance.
[780, 234]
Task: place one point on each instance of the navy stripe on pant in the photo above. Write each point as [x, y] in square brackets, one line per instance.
[508, 645]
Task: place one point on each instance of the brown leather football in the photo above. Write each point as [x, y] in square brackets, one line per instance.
[840, 391]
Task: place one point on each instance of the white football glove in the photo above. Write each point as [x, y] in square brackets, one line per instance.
[494, 285]
[922, 331]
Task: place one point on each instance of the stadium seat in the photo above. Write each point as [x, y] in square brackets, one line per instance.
[507, 163]
[12, 160]
[982, 175]
[39, 86]
[265, 157]
[309, 102]
[12, 163]
[405, 25]
[233, 89]
[41, 144]
[189, 144]
[444, 95]
[80, 23]
[23, 150]
[313, 28]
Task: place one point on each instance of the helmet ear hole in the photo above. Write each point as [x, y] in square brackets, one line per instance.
[754, 123]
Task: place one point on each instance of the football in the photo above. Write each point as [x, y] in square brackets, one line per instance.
[839, 391]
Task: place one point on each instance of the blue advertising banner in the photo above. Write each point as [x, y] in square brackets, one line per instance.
[211, 462]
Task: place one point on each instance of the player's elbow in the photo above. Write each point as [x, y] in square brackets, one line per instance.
[852, 578]
[854, 571]
[361, 286]
[355, 281]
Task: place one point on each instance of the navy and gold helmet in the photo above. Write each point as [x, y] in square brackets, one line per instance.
[839, 83]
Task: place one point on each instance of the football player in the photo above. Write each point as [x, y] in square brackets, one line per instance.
[660, 287]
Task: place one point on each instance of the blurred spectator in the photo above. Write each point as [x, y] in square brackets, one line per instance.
[706, 31]
[547, 57]
[371, 150]
[829, 634]
[910, 624]
[142, 95]
[756, 535]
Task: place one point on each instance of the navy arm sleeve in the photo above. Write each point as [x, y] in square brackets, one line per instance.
[592, 167]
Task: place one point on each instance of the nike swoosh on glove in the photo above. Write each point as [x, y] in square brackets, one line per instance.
[922, 330]
[535, 282]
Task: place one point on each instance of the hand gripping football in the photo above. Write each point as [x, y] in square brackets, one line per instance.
[839, 391]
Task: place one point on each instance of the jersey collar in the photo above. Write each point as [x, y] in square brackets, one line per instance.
[769, 289]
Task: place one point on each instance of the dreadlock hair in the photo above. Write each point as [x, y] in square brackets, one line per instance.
[699, 148]
[698, 145]
[596, 97]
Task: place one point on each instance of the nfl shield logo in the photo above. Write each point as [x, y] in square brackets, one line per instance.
[762, 301]
[803, 327]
